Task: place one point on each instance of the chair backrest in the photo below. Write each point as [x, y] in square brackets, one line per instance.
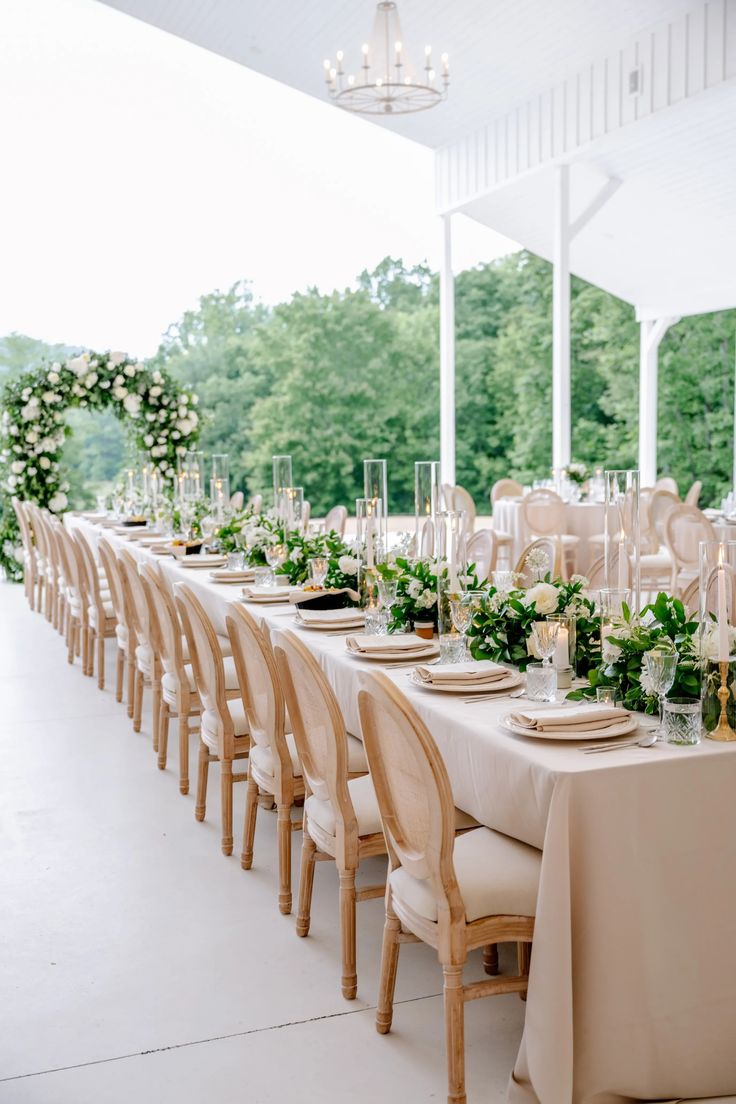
[667, 483]
[94, 590]
[692, 498]
[259, 685]
[505, 488]
[135, 599]
[26, 534]
[66, 551]
[684, 528]
[306, 514]
[426, 539]
[482, 550]
[317, 725]
[463, 501]
[691, 598]
[39, 524]
[543, 513]
[207, 664]
[551, 550]
[413, 792]
[165, 624]
[660, 504]
[255, 503]
[110, 566]
[336, 520]
[236, 500]
[650, 542]
[596, 573]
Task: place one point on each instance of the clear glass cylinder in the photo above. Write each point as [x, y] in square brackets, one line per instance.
[220, 465]
[220, 495]
[291, 508]
[367, 516]
[193, 474]
[566, 645]
[426, 497]
[622, 549]
[611, 607]
[375, 489]
[451, 564]
[282, 477]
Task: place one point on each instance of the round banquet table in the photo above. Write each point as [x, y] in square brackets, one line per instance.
[632, 988]
[582, 519]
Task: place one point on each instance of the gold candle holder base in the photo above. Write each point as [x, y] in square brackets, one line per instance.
[723, 731]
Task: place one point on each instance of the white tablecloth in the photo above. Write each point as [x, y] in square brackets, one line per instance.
[632, 992]
[582, 519]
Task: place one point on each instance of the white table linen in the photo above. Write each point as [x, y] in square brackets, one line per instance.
[632, 993]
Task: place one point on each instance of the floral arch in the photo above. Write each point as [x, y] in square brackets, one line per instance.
[158, 414]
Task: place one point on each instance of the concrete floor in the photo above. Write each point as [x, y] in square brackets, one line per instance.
[137, 963]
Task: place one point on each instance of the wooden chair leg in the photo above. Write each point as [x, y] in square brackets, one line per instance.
[490, 959]
[226, 805]
[101, 662]
[389, 966]
[119, 671]
[249, 824]
[137, 701]
[455, 1034]
[306, 883]
[200, 805]
[155, 710]
[283, 828]
[163, 734]
[183, 754]
[347, 934]
[71, 640]
[523, 958]
[88, 650]
[131, 683]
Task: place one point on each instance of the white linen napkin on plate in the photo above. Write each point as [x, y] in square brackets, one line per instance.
[263, 593]
[569, 718]
[402, 644]
[474, 673]
[350, 615]
[299, 594]
[225, 576]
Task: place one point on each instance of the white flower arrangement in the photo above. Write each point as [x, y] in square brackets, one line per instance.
[543, 596]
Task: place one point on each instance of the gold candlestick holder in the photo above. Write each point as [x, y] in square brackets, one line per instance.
[723, 730]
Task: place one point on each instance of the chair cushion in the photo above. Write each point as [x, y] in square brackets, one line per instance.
[92, 611]
[656, 561]
[363, 797]
[496, 875]
[209, 723]
[144, 658]
[261, 756]
[121, 632]
[170, 682]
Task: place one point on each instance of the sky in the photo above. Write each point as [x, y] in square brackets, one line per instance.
[141, 172]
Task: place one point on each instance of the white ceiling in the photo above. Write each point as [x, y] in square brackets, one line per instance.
[665, 242]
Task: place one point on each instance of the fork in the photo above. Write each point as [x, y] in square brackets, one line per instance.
[493, 697]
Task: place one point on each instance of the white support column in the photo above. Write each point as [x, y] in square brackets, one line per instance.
[561, 393]
[650, 335]
[447, 355]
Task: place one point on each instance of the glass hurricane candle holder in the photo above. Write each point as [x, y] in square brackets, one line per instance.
[566, 646]
[716, 643]
[611, 608]
[426, 497]
[193, 474]
[622, 547]
[451, 566]
[367, 516]
[375, 489]
[281, 467]
[291, 508]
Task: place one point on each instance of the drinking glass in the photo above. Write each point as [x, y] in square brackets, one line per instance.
[660, 665]
[541, 682]
[275, 556]
[463, 608]
[682, 721]
[605, 695]
[235, 561]
[375, 623]
[318, 568]
[452, 648]
[387, 592]
[263, 576]
[544, 639]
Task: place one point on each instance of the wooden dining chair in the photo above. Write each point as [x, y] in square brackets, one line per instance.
[124, 630]
[236, 500]
[684, 528]
[30, 552]
[255, 503]
[39, 532]
[505, 488]
[55, 582]
[692, 498]
[147, 663]
[223, 734]
[335, 520]
[667, 483]
[454, 893]
[482, 550]
[341, 819]
[101, 617]
[550, 548]
[543, 515]
[75, 596]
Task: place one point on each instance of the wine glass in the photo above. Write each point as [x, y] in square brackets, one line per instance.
[660, 665]
[463, 608]
[544, 639]
[275, 556]
[318, 568]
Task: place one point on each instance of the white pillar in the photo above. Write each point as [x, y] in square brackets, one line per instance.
[561, 393]
[447, 355]
[651, 333]
[733, 479]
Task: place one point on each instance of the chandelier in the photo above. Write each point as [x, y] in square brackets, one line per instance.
[388, 83]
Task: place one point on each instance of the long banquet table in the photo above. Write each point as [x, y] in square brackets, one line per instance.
[632, 991]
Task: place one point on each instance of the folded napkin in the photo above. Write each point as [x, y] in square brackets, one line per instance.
[570, 718]
[222, 575]
[474, 674]
[266, 593]
[299, 594]
[401, 644]
[351, 615]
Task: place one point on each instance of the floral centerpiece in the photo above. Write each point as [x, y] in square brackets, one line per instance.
[502, 628]
[664, 620]
[576, 473]
[416, 589]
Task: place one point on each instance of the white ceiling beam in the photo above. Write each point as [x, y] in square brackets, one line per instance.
[599, 200]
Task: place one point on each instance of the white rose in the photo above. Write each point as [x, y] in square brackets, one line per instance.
[184, 426]
[53, 377]
[31, 471]
[115, 358]
[148, 440]
[543, 596]
[182, 412]
[105, 384]
[119, 380]
[195, 399]
[150, 416]
[414, 589]
[17, 466]
[132, 404]
[79, 365]
[18, 554]
[31, 437]
[184, 399]
[193, 417]
[30, 411]
[91, 379]
[119, 392]
[12, 482]
[348, 565]
[129, 370]
[155, 391]
[14, 431]
[58, 502]
[44, 462]
[25, 394]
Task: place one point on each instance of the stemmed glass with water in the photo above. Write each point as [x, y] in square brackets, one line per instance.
[318, 568]
[275, 557]
[660, 665]
[544, 639]
[463, 608]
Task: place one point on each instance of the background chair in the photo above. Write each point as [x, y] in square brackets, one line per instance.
[30, 552]
[692, 498]
[667, 483]
[482, 550]
[543, 515]
[505, 488]
[336, 520]
[124, 633]
[236, 500]
[684, 528]
[102, 619]
[550, 548]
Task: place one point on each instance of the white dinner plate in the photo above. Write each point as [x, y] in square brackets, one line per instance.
[621, 729]
[396, 655]
[206, 560]
[330, 626]
[514, 678]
